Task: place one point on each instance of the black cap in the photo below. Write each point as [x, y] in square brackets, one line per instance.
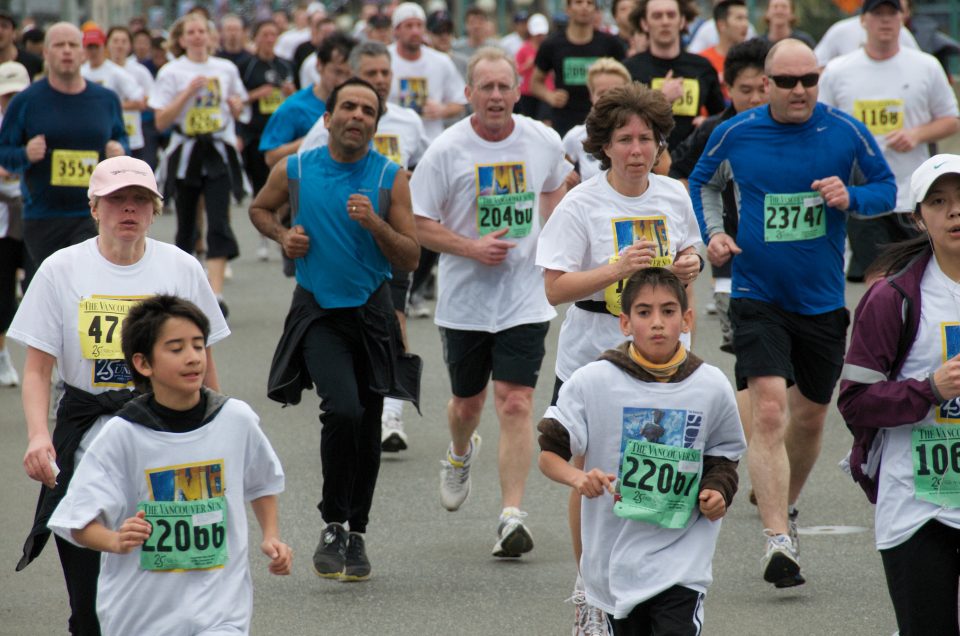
[870, 5]
[439, 22]
[6, 15]
[521, 16]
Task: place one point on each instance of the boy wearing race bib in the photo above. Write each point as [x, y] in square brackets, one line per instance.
[661, 438]
[162, 490]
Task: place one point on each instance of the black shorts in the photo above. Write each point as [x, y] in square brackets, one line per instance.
[513, 355]
[43, 237]
[400, 289]
[676, 610]
[805, 350]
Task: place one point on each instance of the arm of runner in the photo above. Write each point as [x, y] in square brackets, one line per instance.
[211, 380]
[906, 139]
[273, 156]
[549, 200]
[263, 214]
[722, 248]
[538, 87]
[687, 265]
[489, 249]
[280, 554]
[37, 371]
[133, 532]
[168, 114]
[712, 504]
[567, 287]
[833, 191]
[438, 110]
[397, 236]
[589, 484]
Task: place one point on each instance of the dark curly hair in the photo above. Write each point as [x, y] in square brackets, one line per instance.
[614, 109]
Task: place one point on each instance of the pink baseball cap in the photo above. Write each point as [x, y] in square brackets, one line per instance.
[115, 173]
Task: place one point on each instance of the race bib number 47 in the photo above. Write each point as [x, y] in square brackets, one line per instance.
[187, 535]
[793, 217]
[72, 168]
[100, 322]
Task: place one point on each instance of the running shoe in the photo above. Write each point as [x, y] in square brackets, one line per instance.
[392, 437]
[793, 527]
[455, 476]
[780, 564]
[330, 557]
[587, 619]
[514, 538]
[356, 564]
[8, 373]
[263, 251]
[417, 308]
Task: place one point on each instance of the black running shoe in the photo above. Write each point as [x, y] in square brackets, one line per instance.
[330, 556]
[357, 566]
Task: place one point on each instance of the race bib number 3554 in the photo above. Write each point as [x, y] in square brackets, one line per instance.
[187, 535]
[72, 168]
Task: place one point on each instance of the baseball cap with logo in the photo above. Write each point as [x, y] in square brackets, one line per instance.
[13, 78]
[94, 37]
[116, 173]
[870, 5]
[929, 171]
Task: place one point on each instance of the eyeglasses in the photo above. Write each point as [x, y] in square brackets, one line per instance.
[789, 82]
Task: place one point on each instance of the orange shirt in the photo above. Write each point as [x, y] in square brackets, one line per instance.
[717, 60]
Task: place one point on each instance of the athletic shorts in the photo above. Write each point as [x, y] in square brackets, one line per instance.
[677, 611]
[805, 350]
[513, 355]
[400, 289]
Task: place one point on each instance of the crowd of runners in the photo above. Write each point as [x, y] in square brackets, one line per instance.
[598, 161]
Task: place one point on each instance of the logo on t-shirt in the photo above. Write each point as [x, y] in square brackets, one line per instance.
[413, 93]
[389, 147]
[949, 411]
[626, 232]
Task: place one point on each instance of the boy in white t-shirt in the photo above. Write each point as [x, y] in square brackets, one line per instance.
[161, 491]
[659, 432]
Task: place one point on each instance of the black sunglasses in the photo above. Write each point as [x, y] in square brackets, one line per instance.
[788, 82]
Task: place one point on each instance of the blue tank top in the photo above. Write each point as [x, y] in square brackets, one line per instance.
[344, 264]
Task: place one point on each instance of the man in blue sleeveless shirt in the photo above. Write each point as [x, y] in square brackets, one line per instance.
[352, 221]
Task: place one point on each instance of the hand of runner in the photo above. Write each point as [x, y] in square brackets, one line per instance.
[558, 98]
[672, 87]
[114, 149]
[288, 89]
[635, 257]
[37, 460]
[490, 249]
[133, 532]
[295, 242]
[432, 110]
[196, 84]
[947, 378]
[712, 504]
[721, 248]
[834, 193]
[281, 556]
[361, 210]
[594, 483]
[36, 148]
[901, 140]
[260, 92]
[686, 267]
[572, 179]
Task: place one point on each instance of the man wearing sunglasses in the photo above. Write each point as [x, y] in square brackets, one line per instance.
[800, 169]
[905, 100]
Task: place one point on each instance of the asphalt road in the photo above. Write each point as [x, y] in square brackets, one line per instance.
[433, 573]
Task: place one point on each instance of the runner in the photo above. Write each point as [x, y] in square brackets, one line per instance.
[732, 22]
[781, 21]
[119, 48]
[479, 195]
[848, 35]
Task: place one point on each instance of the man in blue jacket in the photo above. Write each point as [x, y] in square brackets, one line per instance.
[800, 168]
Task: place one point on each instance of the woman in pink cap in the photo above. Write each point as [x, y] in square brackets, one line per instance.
[71, 317]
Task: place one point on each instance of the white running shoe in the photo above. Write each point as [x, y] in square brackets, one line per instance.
[263, 251]
[513, 537]
[417, 308]
[587, 619]
[455, 476]
[781, 565]
[392, 437]
[8, 373]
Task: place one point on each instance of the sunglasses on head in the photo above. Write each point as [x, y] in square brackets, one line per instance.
[788, 82]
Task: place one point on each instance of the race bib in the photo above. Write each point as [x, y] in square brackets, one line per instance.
[626, 232]
[575, 70]
[202, 120]
[389, 147]
[100, 322]
[880, 116]
[688, 105]
[413, 93]
[793, 217]
[502, 200]
[269, 104]
[72, 168]
[658, 484]
[131, 120]
[936, 464]
[187, 535]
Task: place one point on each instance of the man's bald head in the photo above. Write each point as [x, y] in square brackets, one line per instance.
[60, 31]
[788, 49]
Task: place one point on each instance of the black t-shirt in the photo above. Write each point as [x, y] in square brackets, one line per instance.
[239, 59]
[569, 63]
[255, 74]
[704, 91]
[31, 62]
[301, 53]
[180, 421]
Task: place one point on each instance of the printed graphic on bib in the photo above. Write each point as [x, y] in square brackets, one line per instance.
[269, 104]
[880, 116]
[389, 147]
[626, 232]
[659, 470]
[72, 168]
[688, 104]
[575, 70]
[204, 116]
[188, 511]
[793, 217]
[413, 93]
[949, 411]
[503, 200]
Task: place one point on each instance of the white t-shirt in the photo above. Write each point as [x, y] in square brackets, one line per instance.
[910, 86]
[10, 187]
[308, 72]
[400, 136]
[49, 315]
[848, 35]
[573, 147]
[127, 88]
[288, 42]
[432, 76]
[899, 514]
[454, 184]
[707, 36]
[579, 237]
[626, 562]
[130, 463]
[208, 111]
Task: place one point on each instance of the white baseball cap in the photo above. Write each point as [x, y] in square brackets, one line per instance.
[538, 24]
[13, 78]
[116, 173]
[928, 172]
[408, 11]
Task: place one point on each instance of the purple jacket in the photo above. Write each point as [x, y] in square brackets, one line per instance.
[884, 329]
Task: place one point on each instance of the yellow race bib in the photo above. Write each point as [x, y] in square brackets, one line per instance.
[130, 121]
[99, 325]
[202, 120]
[72, 168]
[269, 104]
[389, 147]
[688, 105]
[627, 231]
[880, 116]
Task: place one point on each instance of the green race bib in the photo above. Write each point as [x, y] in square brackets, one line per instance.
[575, 70]
[187, 535]
[498, 211]
[793, 217]
[936, 464]
[658, 484]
